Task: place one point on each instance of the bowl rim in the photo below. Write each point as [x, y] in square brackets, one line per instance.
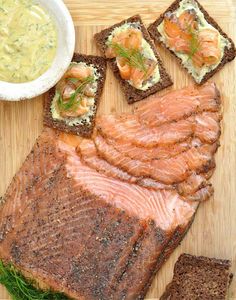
[28, 90]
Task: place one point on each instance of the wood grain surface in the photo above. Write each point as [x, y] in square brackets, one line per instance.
[213, 232]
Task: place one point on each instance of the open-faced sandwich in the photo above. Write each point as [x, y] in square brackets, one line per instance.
[196, 40]
[72, 104]
[133, 59]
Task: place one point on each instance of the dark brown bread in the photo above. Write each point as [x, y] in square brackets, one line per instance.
[85, 129]
[229, 54]
[132, 94]
[199, 278]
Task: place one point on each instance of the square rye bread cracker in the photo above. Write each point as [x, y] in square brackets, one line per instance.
[199, 277]
[85, 128]
[229, 53]
[133, 94]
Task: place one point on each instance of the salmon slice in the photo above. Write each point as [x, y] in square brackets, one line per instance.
[187, 20]
[128, 196]
[127, 128]
[201, 195]
[167, 171]
[209, 46]
[89, 156]
[129, 39]
[179, 104]
[206, 129]
[124, 68]
[147, 154]
[192, 184]
[196, 181]
[208, 126]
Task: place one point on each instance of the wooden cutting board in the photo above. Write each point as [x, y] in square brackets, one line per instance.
[213, 232]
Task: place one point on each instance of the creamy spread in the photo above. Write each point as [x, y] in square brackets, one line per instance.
[198, 74]
[92, 107]
[28, 40]
[146, 51]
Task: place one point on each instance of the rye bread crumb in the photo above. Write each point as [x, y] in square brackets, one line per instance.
[132, 94]
[229, 54]
[199, 278]
[85, 129]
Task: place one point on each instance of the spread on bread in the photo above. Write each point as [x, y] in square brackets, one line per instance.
[134, 56]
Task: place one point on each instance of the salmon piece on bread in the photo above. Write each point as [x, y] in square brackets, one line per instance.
[71, 105]
[194, 38]
[133, 58]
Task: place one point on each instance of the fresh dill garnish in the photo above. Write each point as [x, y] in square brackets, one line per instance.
[73, 80]
[73, 101]
[21, 288]
[133, 56]
[194, 42]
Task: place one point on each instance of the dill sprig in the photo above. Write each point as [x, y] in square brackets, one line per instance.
[133, 56]
[21, 288]
[194, 42]
[73, 80]
[73, 100]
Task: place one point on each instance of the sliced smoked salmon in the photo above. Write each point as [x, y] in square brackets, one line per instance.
[147, 154]
[179, 104]
[121, 193]
[168, 171]
[128, 128]
[88, 154]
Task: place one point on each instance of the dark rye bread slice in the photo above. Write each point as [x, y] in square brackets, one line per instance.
[229, 54]
[86, 128]
[199, 278]
[132, 94]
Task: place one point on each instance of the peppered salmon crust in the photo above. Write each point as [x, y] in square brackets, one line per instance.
[76, 237]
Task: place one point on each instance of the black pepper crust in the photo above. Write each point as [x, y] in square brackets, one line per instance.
[132, 94]
[229, 54]
[174, 241]
[85, 129]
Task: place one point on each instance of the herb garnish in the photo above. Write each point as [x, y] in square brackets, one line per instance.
[73, 101]
[73, 80]
[194, 42]
[133, 56]
[21, 288]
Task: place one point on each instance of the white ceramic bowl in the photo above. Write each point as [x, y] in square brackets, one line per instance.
[65, 50]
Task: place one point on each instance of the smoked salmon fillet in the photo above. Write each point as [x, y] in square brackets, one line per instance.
[90, 230]
[87, 217]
